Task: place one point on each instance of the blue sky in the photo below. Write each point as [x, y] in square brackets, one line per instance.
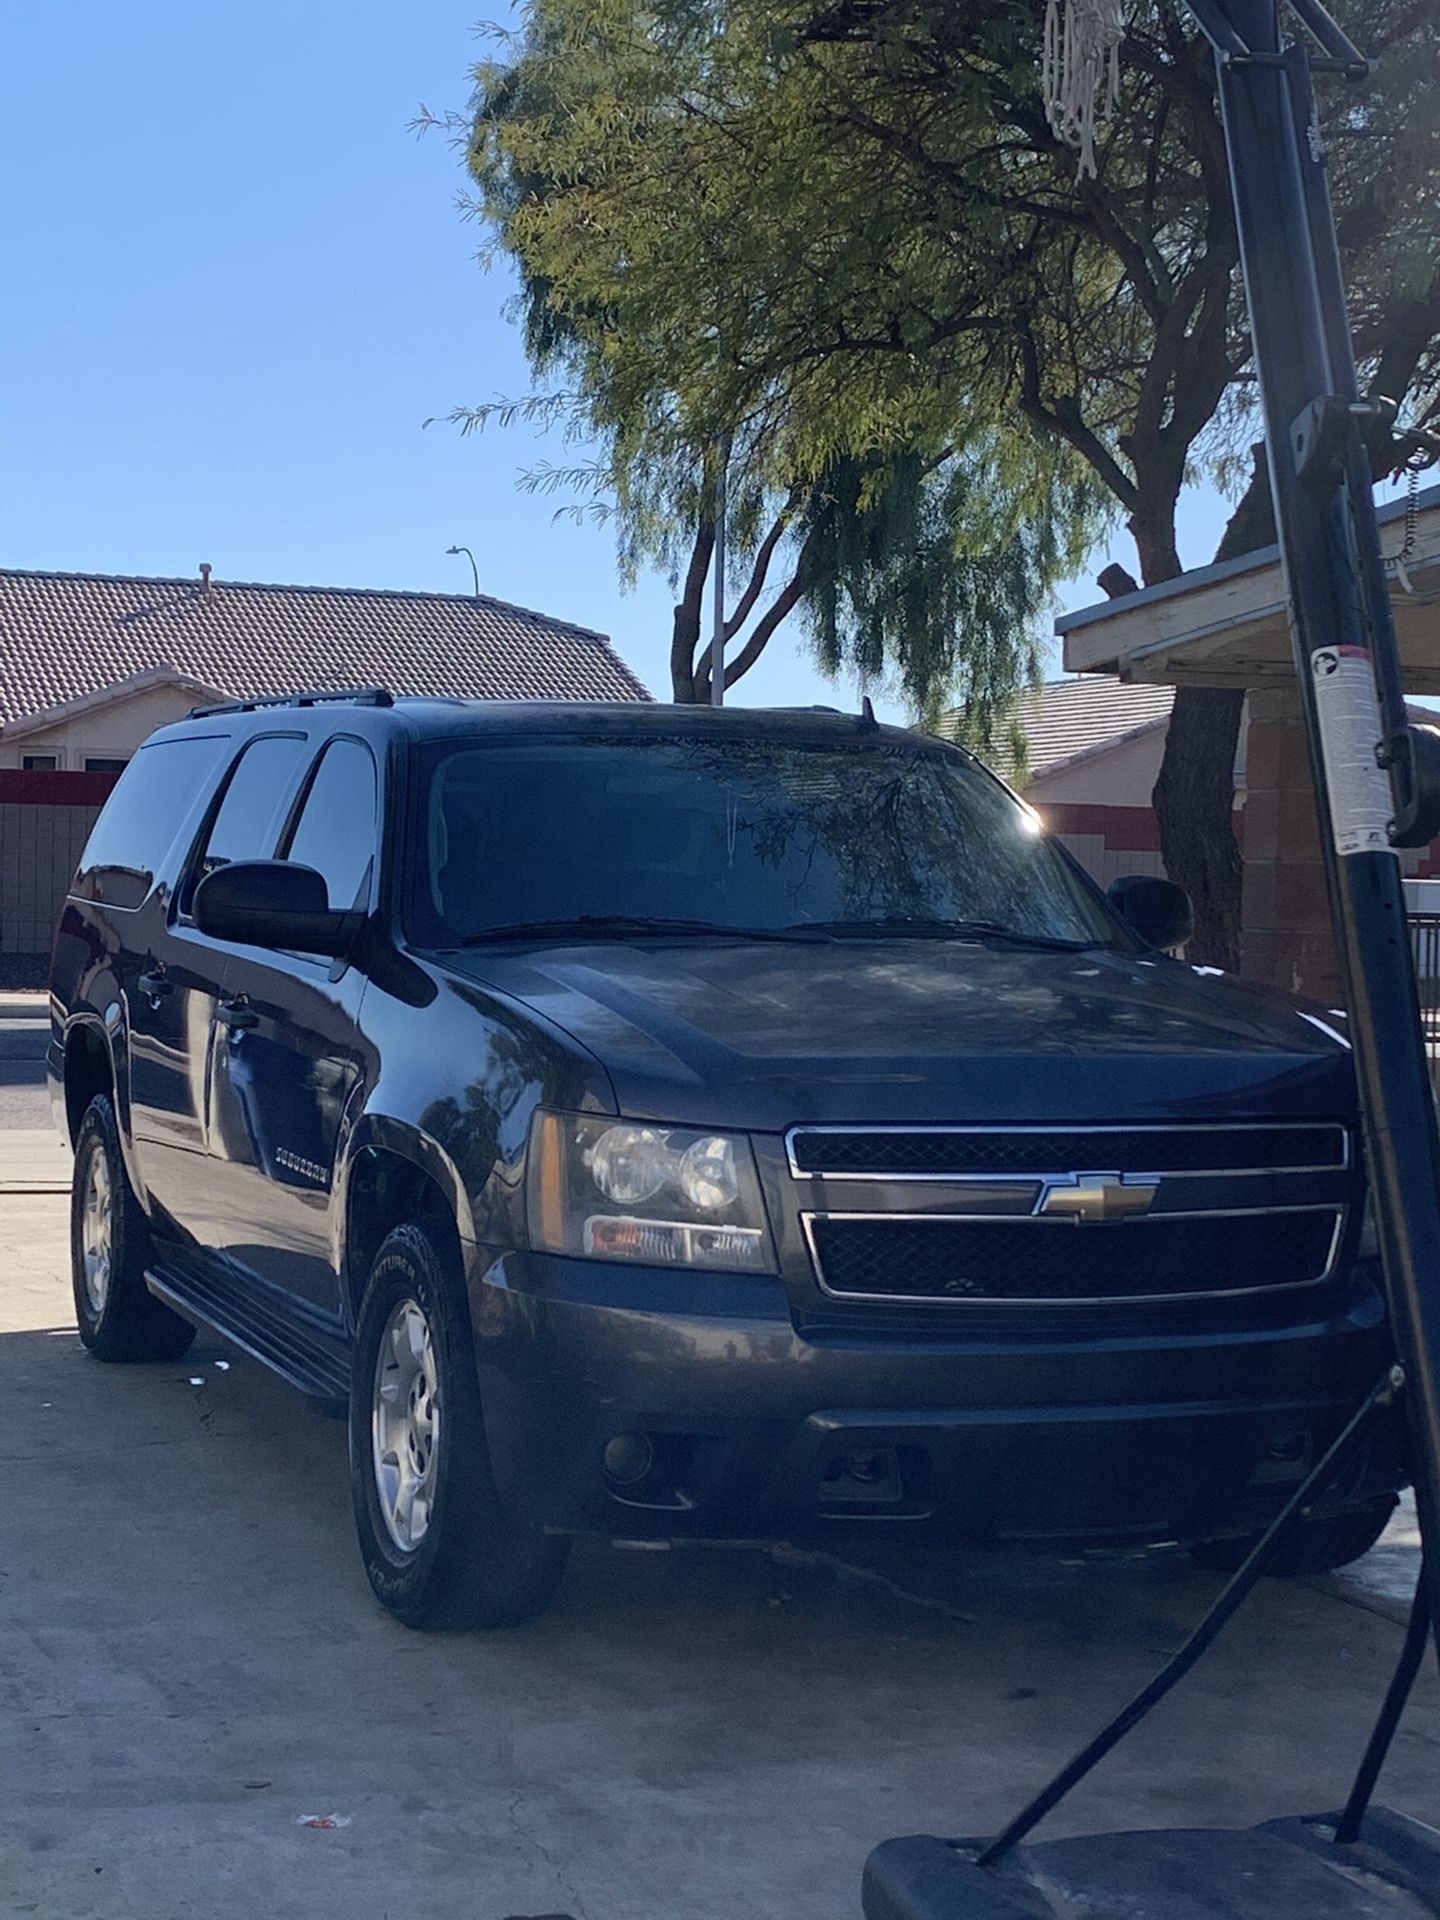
[236, 285]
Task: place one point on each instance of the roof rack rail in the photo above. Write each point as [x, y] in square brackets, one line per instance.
[357, 696]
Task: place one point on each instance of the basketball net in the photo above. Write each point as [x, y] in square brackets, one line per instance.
[1080, 71]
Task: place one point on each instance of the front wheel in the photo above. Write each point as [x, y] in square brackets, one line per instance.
[1318, 1545]
[438, 1546]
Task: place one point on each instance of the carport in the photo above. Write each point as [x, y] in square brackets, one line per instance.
[1225, 626]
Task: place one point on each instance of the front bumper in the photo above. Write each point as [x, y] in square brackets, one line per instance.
[1055, 1428]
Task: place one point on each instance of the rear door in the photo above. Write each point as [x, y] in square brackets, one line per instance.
[175, 988]
[288, 1057]
[126, 874]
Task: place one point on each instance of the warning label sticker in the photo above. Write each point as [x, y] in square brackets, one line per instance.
[1349, 715]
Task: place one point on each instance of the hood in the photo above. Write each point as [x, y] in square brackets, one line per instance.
[766, 1035]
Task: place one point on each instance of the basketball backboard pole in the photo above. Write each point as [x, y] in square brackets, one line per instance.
[1369, 786]
[1376, 791]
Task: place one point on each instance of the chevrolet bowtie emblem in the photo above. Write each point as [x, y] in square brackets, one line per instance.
[1088, 1197]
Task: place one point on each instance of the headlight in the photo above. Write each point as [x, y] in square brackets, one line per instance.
[629, 1164]
[630, 1190]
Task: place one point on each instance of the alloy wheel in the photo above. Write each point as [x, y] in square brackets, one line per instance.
[97, 1234]
[405, 1425]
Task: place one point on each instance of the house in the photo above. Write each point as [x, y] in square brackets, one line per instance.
[1226, 625]
[1093, 746]
[90, 664]
[1090, 740]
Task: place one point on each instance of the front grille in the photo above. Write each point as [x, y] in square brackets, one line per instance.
[934, 1153]
[904, 1257]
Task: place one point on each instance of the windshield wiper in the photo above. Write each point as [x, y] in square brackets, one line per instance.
[923, 927]
[629, 926]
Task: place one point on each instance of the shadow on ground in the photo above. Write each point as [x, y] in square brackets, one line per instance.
[191, 1664]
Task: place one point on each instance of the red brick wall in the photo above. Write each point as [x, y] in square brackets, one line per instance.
[1110, 841]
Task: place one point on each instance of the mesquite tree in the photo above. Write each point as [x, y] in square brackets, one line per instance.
[839, 240]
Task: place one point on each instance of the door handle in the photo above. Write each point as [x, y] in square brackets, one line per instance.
[238, 1015]
[155, 986]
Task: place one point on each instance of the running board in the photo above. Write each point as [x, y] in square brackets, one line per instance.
[266, 1323]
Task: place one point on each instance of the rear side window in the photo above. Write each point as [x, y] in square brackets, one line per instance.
[247, 822]
[335, 833]
[141, 819]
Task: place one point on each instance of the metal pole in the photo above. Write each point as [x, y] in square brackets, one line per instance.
[717, 640]
[474, 570]
[1329, 546]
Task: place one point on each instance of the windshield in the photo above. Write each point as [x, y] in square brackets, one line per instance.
[863, 840]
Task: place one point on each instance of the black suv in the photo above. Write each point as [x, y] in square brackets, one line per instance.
[665, 1122]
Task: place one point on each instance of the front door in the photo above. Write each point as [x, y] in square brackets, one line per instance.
[289, 1062]
[171, 999]
[175, 990]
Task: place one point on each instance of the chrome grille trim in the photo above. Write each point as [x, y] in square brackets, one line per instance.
[807, 1220]
[1232, 1128]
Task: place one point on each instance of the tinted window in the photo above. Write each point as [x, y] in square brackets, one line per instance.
[335, 833]
[736, 833]
[140, 820]
[247, 824]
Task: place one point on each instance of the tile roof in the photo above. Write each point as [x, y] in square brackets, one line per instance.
[64, 635]
[1065, 718]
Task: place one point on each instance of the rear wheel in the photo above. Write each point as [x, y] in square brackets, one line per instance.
[118, 1317]
[1318, 1545]
[439, 1548]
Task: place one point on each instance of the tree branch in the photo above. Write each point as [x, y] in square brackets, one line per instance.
[761, 567]
[1063, 419]
[784, 603]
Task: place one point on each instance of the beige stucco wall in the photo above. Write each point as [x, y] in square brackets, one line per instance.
[1123, 776]
[113, 730]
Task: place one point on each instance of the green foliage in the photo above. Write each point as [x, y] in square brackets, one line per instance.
[658, 180]
[950, 620]
[838, 238]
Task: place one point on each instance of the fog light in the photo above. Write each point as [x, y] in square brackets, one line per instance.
[628, 1458]
[862, 1479]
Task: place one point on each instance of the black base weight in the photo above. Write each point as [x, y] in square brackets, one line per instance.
[1284, 1870]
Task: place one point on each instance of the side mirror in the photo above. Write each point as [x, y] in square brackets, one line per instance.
[1158, 910]
[272, 903]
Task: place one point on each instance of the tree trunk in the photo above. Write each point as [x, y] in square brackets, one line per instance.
[1193, 801]
[1194, 796]
[685, 630]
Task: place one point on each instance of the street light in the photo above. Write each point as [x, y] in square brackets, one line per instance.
[473, 568]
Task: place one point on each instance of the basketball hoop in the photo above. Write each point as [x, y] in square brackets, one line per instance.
[1080, 71]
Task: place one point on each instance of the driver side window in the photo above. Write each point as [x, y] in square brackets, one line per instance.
[335, 832]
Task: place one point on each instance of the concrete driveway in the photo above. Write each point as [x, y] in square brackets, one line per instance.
[191, 1665]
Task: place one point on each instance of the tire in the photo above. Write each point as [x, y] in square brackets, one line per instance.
[439, 1548]
[118, 1317]
[1319, 1545]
